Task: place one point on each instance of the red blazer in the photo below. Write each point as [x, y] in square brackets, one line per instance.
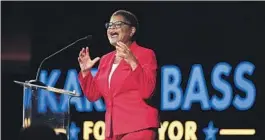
[126, 109]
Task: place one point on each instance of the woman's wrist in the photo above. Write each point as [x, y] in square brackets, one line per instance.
[133, 63]
[85, 72]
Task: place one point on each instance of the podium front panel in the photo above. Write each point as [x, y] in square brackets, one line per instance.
[35, 112]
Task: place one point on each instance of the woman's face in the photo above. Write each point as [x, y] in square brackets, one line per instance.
[118, 29]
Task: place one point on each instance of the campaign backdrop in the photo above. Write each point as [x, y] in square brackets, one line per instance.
[210, 75]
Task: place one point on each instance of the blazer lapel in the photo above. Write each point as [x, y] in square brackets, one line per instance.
[118, 76]
[121, 73]
[105, 73]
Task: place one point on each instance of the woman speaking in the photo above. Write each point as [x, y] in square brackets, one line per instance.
[126, 77]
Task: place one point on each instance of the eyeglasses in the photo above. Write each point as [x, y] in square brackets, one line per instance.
[116, 24]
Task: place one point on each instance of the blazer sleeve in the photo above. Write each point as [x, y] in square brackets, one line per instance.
[89, 86]
[145, 74]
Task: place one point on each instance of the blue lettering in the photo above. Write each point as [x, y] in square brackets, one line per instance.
[27, 98]
[222, 86]
[171, 79]
[47, 98]
[71, 84]
[245, 85]
[196, 89]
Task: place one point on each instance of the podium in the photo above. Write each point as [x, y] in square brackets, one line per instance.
[33, 115]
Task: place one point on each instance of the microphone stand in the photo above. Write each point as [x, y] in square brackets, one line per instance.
[35, 81]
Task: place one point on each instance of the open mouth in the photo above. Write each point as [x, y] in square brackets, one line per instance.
[114, 35]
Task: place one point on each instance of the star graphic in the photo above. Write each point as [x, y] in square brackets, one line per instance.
[210, 131]
[74, 130]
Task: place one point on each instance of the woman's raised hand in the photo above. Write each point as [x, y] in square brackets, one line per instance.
[85, 61]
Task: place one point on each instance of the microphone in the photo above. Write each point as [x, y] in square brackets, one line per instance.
[38, 71]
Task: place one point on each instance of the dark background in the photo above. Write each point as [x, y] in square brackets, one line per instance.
[181, 33]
